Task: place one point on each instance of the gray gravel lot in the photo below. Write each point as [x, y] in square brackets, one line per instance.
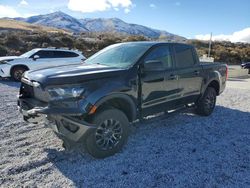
[177, 150]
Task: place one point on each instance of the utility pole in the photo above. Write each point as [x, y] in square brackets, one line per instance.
[210, 43]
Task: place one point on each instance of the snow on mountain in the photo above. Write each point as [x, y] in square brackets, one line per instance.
[58, 20]
[64, 21]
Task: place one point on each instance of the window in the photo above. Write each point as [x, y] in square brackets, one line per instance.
[55, 54]
[184, 56]
[119, 55]
[44, 54]
[64, 54]
[162, 54]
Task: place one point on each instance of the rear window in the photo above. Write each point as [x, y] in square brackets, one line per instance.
[184, 56]
[63, 54]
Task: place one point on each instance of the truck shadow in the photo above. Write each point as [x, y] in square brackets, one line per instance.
[169, 150]
[9, 82]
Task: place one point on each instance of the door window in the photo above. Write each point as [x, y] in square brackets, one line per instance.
[63, 54]
[44, 54]
[162, 54]
[184, 56]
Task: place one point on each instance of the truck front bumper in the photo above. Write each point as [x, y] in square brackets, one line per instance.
[66, 127]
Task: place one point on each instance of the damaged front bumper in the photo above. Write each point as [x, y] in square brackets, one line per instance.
[63, 121]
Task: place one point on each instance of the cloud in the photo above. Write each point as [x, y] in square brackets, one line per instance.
[127, 10]
[238, 36]
[87, 6]
[23, 3]
[7, 11]
[152, 5]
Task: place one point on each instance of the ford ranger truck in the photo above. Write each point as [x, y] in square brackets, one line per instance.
[90, 106]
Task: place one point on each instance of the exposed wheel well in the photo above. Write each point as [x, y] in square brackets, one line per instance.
[215, 84]
[17, 66]
[121, 104]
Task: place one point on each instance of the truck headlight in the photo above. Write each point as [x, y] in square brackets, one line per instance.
[65, 92]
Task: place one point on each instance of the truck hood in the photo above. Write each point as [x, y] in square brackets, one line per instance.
[71, 74]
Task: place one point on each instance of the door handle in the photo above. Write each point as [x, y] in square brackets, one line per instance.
[196, 72]
[173, 77]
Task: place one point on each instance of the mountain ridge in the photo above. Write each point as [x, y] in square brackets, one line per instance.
[64, 21]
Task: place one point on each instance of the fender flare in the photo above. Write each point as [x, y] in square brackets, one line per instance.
[129, 100]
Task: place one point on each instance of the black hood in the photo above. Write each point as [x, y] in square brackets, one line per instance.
[72, 74]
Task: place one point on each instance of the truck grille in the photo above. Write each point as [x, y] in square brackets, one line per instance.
[29, 90]
[26, 91]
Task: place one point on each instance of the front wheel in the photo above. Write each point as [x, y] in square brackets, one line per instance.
[110, 135]
[17, 73]
[206, 104]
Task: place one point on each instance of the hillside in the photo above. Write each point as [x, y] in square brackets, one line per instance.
[8, 24]
[18, 42]
[112, 25]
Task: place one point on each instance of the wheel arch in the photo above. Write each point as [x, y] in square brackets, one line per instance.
[123, 102]
[216, 85]
[18, 65]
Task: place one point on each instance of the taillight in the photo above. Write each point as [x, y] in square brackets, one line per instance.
[226, 72]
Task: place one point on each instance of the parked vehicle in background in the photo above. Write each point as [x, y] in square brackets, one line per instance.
[246, 66]
[15, 66]
[91, 105]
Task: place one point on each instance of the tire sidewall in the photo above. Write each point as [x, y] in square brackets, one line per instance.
[98, 119]
[201, 109]
[14, 70]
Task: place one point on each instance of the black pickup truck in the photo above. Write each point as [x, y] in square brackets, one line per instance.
[91, 105]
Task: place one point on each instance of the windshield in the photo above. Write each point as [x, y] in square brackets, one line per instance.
[29, 53]
[119, 55]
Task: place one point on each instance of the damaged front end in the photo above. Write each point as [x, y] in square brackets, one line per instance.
[65, 117]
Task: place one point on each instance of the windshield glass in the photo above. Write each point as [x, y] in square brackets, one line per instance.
[119, 55]
[29, 53]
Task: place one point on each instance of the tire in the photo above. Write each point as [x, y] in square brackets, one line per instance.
[206, 104]
[111, 133]
[17, 72]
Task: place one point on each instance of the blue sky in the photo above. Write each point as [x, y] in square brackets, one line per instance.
[188, 18]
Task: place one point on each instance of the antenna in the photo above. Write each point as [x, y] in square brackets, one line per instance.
[210, 43]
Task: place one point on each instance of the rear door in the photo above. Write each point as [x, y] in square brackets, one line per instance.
[189, 72]
[159, 87]
[66, 57]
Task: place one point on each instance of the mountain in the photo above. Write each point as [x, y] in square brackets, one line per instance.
[64, 21]
[118, 26]
[14, 25]
[58, 20]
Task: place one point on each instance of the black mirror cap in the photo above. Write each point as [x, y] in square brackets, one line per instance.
[153, 65]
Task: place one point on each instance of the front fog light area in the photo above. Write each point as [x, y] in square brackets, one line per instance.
[65, 93]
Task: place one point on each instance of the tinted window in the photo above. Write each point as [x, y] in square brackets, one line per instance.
[119, 55]
[184, 56]
[44, 54]
[162, 54]
[63, 54]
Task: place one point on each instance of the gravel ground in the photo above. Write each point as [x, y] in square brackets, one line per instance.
[177, 150]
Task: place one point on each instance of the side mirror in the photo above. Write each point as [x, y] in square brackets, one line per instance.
[36, 57]
[153, 65]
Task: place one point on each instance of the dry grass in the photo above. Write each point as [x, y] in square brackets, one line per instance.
[9, 24]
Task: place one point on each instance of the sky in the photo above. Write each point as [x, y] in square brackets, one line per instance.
[226, 19]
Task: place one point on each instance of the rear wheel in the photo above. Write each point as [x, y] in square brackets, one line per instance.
[206, 105]
[110, 135]
[17, 73]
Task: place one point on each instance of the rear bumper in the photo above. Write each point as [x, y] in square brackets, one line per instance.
[66, 127]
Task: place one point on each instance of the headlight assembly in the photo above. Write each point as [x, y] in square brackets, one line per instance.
[65, 92]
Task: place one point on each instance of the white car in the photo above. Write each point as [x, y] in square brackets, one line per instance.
[15, 66]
